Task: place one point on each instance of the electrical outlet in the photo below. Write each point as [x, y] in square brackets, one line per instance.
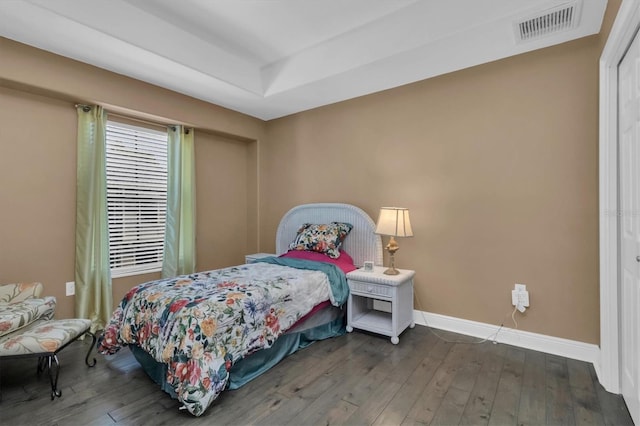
[514, 297]
[71, 288]
[520, 297]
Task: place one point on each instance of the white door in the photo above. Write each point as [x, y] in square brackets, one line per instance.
[629, 152]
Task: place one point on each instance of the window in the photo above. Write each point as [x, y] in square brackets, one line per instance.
[136, 164]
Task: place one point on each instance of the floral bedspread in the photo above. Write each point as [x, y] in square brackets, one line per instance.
[201, 324]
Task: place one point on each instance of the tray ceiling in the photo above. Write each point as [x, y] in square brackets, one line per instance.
[271, 58]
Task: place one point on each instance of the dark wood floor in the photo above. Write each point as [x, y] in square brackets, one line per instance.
[355, 379]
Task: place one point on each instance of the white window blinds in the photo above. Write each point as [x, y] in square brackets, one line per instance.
[136, 198]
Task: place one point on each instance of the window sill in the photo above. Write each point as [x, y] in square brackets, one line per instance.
[122, 273]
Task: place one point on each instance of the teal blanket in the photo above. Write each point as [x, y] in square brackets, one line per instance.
[337, 278]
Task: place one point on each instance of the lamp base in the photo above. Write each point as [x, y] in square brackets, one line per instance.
[391, 271]
[392, 248]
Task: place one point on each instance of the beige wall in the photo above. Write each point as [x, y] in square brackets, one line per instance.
[37, 192]
[38, 166]
[498, 165]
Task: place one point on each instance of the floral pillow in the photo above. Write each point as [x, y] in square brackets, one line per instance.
[14, 293]
[326, 238]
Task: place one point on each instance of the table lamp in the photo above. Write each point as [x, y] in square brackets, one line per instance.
[393, 221]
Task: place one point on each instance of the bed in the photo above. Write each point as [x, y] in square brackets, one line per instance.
[199, 334]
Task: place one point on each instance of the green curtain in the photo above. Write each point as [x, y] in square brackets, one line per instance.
[180, 232]
[94, 299]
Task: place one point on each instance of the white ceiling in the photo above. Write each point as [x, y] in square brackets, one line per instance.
[270, 58]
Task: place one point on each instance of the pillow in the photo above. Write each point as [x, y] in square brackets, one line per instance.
[14, 293]
[344, 261]
[325, 239]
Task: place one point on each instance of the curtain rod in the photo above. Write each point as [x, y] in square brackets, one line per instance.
[87, 108]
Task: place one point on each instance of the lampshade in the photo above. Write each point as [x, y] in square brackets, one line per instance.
[394, 221]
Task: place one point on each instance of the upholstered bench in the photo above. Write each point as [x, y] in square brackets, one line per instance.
[44, 340]
[27, 329]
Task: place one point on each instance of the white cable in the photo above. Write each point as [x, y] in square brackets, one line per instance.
[492, 337]
[513, 316]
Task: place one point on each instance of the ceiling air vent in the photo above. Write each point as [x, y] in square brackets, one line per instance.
[548, 22]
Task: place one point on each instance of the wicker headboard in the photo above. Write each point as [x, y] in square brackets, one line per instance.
[362, 243]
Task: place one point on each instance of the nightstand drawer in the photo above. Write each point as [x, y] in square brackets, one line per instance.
[359, 287]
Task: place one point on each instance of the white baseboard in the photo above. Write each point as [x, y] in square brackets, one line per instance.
[524, 339]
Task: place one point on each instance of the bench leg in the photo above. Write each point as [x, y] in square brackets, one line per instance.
[42, 364]
[93, 343]
[54, 381]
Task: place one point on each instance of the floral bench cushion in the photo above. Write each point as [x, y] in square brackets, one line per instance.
[13, 293]
[44, 337]
[14, 316]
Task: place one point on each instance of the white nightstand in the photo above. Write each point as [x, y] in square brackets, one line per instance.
[365, 287]
[250, 258]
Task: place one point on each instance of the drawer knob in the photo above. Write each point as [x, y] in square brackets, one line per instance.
[369, 289]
